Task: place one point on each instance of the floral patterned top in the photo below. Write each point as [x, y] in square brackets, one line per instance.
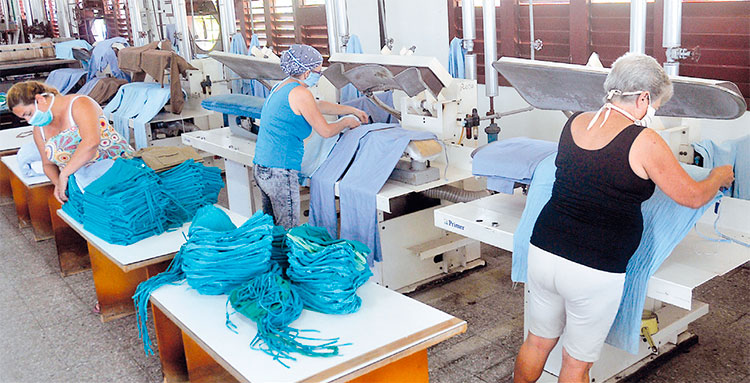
[60, 148]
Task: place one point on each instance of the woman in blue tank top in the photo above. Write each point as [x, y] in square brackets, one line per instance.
[289, 115]
[608, 163]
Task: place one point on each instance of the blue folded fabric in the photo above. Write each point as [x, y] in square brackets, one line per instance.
[64, 79]
[377, 113]
[665, 224]
[509, 161]
[27, 155]
[103, 56]
[456, 59]
[64, 50]
[349, 92]
[235, 104]
[140, 101]
[732, 152]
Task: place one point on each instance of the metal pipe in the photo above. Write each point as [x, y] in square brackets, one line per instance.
[333, 37]
[490, 47]
[508, 113]
[638, 26]
[342, 22]
[532, 47]
[383, 27]
[382, 105]
[671, 33]
[469, 31]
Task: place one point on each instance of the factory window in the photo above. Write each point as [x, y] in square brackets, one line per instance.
[203, 22]
[281, 23]
[569, 31]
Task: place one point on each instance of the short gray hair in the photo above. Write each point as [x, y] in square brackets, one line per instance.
[636, 72]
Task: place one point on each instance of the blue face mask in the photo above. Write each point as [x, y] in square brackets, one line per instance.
[312, 79]
[40, 118]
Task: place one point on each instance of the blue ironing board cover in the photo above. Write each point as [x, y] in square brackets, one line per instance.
[235, 104]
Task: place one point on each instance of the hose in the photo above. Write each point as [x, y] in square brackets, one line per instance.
[454, 194]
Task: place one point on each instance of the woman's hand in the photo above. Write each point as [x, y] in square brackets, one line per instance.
[363, 117]
[60, 187]
[351, 123]
[724, 174]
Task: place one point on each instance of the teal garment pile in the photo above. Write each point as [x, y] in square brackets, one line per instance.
[273, 303]
[280, 250]
[217, 258]
[327, 272]
[130, 201]
[665, 224]
[180, 182]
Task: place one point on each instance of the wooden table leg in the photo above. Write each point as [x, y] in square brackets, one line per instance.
[171, 350]
[412, 368]
[202, 368]
[6, 194]
[39, 211]
[72, 251]
[114, 287]
[19, 198]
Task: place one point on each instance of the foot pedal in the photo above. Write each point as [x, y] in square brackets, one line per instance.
[649, 327]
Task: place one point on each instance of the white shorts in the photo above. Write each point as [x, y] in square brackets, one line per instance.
[573, 302]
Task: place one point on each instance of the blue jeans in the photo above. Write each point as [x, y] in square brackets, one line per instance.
[279, 194]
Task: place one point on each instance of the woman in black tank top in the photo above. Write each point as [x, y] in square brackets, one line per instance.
[608, 163]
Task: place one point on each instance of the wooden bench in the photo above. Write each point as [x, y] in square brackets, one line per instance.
[389, 338]
[10, 141]
[117, 270]
[30, 195]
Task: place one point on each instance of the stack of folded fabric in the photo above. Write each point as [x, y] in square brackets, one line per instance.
[280, 250]
[74, 206]
[194, 185]
[327, 272]
[125, 204]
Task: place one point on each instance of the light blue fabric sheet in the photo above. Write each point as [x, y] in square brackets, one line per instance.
[377, 113]
[734, 152]
[248, 87]
[88, 86]
[235, 104]
[64, 50]
[665, 224]
[317, 150]
[27, 155]
[456, 59]
[349, 92]
[103, 56]
[322, 183]
[87, 174]
[509, 161]
[64, 79]
[139, 101]
[378, 154]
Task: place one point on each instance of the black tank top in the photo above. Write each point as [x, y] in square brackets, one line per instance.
[594, 214]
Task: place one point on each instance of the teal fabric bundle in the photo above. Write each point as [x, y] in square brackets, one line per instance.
[273, 303]
[280, 250]
[74, 206]
[217, 258]
[130, 201]
[125, 204]
[327, 272]
[194, 185]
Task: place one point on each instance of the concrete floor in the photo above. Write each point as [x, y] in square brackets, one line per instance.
[48, 332]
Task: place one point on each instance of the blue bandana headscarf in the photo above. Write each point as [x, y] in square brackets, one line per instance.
[299, 59]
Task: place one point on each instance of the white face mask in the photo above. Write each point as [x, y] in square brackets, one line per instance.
[644, 122]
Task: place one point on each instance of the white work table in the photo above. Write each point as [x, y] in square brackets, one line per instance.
[389, 327]
[30, 195]
[12, 139]
[694, 261]
[117, 269]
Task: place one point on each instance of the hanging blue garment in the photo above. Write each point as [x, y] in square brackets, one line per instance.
[64, 50]
[238, 46]
[322, 183]
[456, 59]
[665, 224]
[64, 79]
[509, 161]
[171, 30]
[139, 101]
[88, 86]
[349, 92]
[734, 152]
[103, 56]
[255, 87]
[29, 160]
[375, 112]
[378, 154]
